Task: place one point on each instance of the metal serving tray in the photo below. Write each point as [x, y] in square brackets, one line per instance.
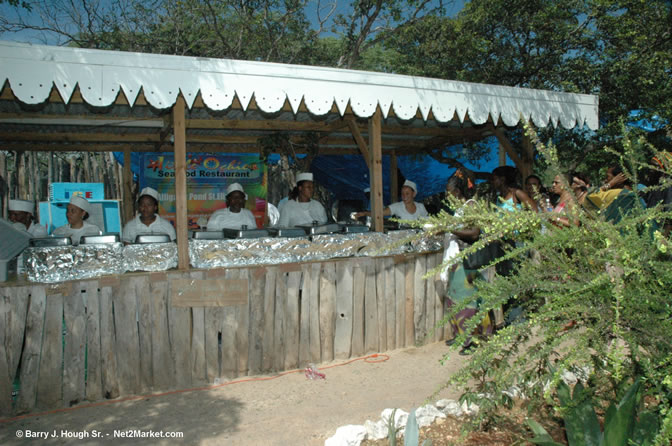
[354, 229]
[152, 238]
[207, 235]
[105, 238]
[321, 229]
[245, 233]
[48, 242]
[286, 232]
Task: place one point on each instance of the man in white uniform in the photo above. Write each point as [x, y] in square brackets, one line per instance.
[234, 216]
[407, 208]
[77, 212]
[147, 220]
[301, 209]
[21, 214]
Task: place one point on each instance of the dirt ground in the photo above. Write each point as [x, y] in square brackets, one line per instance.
[287, 410]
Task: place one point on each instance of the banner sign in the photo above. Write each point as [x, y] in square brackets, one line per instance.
[208, 176]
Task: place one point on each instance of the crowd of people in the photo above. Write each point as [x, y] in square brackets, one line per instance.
[611, 200]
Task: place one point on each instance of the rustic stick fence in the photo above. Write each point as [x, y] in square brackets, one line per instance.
[124, 335]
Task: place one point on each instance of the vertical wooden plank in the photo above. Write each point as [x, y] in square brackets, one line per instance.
[419, 300]
[243, 327]
[394, 178]
[344, 306]
[109, 372]
[49, 384]
[268, 335]
[180, 156]
[15, 325]
[127, 180]
[358, 281]
[229, 329]
[256, 324]
[5, 380]
[292, 321]
[381, 304]
[145, 332]
[127, 347]
[315, 346]
[390, 302]
[30, 359]
[279, 322]
[213, 332]
[370, 310]
[305, 301]
[198, 367]
[163, 370]
[409, 334]
[400, 301]
[327, 309]
[75, 343]
[94, 381]
[179, 323]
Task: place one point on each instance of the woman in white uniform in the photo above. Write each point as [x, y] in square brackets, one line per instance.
[21, 214]
[407, 208]
[147, 220]
[301, 209]
[234, 216]
[77, 212]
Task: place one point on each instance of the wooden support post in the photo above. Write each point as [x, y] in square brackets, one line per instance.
[180, 148]
[376, 178]
[394, 178]
[502, 155]
[127, 181]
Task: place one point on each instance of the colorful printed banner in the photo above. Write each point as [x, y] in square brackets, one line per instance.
[208, 176]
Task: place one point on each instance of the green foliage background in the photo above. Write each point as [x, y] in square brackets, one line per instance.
[613, 281]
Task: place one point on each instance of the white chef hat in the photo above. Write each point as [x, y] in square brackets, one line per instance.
[80, 202]
[149, 192]
[304, 176]
[411, 184]
[21, 206]
[233, 187]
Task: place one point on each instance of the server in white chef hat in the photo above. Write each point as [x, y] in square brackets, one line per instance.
[301, 209]
[21, 214]
[77, 212]
[147, 220]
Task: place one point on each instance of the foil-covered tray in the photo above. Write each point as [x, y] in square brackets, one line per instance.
[93, 239]
[326, 228]
[207, 235]
[48, 242]
[286, 232]
[61, 263]
[245, 233]
[152, 238]
[150, 257]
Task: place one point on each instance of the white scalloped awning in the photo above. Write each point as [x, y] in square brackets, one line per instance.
[31, 70]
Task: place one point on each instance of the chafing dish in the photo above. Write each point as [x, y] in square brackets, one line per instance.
[353, 229]
[207, 235]
[286, 232]
[48, 242]
[245, 233]
[152, 238]
[320, 229]
[105, 238]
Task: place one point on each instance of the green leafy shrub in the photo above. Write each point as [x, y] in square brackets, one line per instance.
[612, 283]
